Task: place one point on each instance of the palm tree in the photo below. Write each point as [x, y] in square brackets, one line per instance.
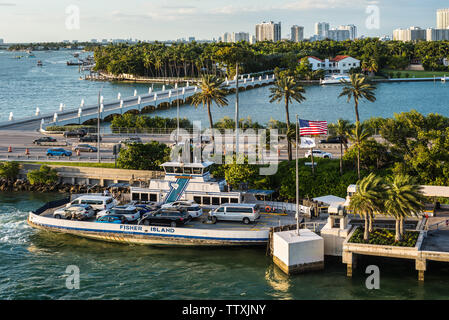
[357, 136]
[342, 130]
[287, 89]
[212, 90]
[358, 88]
[404, 199]
[367, 200]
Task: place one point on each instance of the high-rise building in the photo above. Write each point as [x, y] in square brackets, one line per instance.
[1, 41]
[437, 34]
[297, 33]
[252, 40]
[227, 37]
[322, 29]
[338, 35]
[352, 30]
[268, 31]
[240, 36]
[442, 18]
[410, 34]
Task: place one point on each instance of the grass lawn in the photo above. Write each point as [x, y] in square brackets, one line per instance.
[385, 237]
[76, 164]
[416, 74]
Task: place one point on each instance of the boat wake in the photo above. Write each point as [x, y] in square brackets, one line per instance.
[13, 227]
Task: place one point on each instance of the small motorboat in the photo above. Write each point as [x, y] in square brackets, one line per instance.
[39, 63]
[335, 79]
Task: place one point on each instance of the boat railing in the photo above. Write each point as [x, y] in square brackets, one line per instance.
[51, 205]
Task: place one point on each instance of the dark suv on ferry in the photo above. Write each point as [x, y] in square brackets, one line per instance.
[171, 218]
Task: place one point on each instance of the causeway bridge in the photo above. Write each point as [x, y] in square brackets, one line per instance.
[118, 106]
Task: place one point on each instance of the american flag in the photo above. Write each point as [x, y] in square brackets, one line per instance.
[310, 128]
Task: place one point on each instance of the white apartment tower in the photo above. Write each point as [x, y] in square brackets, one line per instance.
[322, 29]
[297, 33]
[352, 30]
[268, 31]
[442, 18]
[240, 36]
[410, 34]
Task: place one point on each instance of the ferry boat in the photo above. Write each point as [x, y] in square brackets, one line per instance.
[335, 79]
[190, 181]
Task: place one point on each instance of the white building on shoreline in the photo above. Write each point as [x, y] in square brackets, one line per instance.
[338, 65]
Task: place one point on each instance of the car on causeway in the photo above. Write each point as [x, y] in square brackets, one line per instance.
[112, 218]
[168, 217]
[85, 148]
[131, 140]
[131, 213]
[75, 133]
[319, 154]
[192, 208]
[89, 138]
[44, 139]
[58, 152]
[75, 212]
[241, 212]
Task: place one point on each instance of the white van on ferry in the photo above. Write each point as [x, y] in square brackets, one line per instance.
[97, 202]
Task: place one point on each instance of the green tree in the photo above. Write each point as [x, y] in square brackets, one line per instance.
[403, 199]
[9, 170]
[368, 200]
[358, 88]
[147, 156]
[357, 136]
[237, 172]
[287, 89]
[43, 175]
[212, 90]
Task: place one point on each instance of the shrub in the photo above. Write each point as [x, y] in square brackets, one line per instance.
[9, 170]
[147, 156]
[385, 237]
[45, 175]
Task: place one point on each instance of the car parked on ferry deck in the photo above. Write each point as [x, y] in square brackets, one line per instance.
[97, 202]
[131, 213]
[75, 212]
[193, 209]
[112, 218]
[169, 217]
[242, 212]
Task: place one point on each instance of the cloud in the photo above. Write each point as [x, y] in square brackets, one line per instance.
[5, 4]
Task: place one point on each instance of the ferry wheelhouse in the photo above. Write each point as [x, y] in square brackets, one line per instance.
[190, 181]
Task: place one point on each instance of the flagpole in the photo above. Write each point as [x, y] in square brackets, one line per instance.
[297, 178]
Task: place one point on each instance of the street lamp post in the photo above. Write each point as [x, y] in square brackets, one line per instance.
[236, 109]
[297, 178]
[98, 127]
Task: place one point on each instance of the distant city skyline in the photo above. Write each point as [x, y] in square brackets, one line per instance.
[32, 21]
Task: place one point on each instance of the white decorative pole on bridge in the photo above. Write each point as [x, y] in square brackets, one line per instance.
[155, 96]
[163, 87]
[121, 106]
[82, 103]
[119, 96]
[101, 108]
[61, 107]
[101, 99]
[135, 92]
[38, 112]
[188, 85]
[80, 111]
[11, 116]
[139, 101]
[149, 90]
[55, 117]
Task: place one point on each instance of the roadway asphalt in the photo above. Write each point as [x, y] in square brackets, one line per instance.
[23, 139]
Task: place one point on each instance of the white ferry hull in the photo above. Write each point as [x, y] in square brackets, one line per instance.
[151, 235]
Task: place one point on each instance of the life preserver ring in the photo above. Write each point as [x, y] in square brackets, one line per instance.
[267, 209]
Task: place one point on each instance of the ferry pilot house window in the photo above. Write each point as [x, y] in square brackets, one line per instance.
[197, 170]
[178, 170]
[197, 199]
[153, 197]
[169, 170]
[215, 201]
[135, 196]
[206, 200]
[144, 196]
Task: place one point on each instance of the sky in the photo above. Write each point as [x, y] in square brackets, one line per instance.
[57, 20]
